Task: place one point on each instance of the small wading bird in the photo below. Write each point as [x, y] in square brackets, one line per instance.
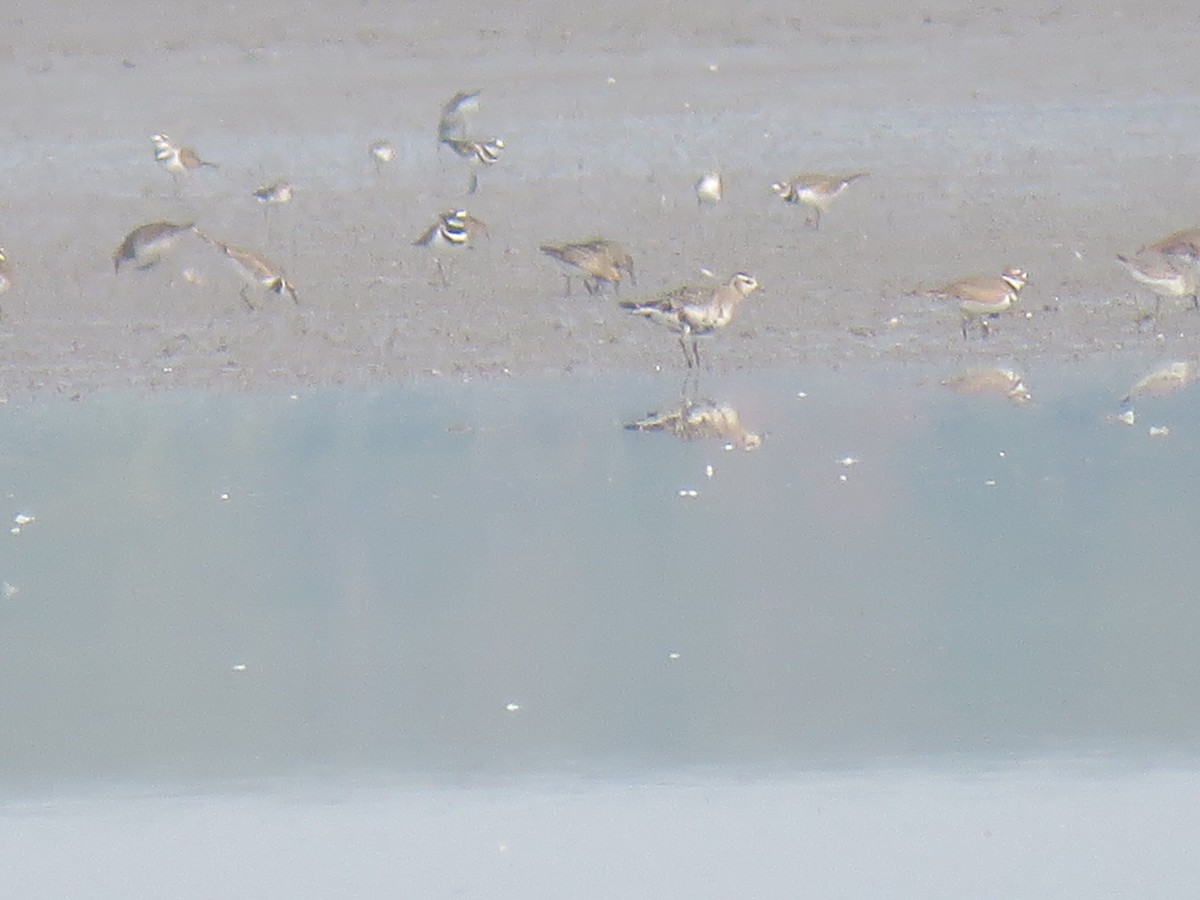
[175, 158]
[145, 245]
[254, 270]
[701, 420]
[600, 260]
[481, 152]
[382, 152]
[1004, 382]
[274, 194]
[709, 189]
[814, 191]
[695, 312]
[1184, 245]
[452, 229]
[1164, 274]
[983, 297]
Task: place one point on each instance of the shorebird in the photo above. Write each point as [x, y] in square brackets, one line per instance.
[382, 152]
[1004, 382]
[814, 190]
[274, 194]
[1183, 244]
[700, 420]
[600, 260]
[983, 297]
[452, 229]
[482, 152]
[709, 189]
[255, 270]
[453, 121]
[695, 312]
[1164, 274]
[1161, 382]
[145, 245]
[176, 158]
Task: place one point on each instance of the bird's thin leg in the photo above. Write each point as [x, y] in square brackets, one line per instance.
[686, 356]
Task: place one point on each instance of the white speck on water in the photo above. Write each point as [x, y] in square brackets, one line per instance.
[513, 707]
[1159, 431]
[689, 493]
[708, 471]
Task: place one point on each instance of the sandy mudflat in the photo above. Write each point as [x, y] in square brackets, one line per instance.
[1044, 135]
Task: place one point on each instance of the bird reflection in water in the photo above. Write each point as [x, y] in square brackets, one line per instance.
[694, 420]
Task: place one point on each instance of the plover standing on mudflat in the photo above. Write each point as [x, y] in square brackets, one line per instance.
[176, 158]
[255, 270]
[709, 189]
[814, 191]
[452, 229]
[983, 297]
[145, 245]
[1164, 274]
[382, 152]
[599, 259]
[482, 152]
[695, 312]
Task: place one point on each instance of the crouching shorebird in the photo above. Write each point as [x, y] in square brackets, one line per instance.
[146, 244]
[255, 270]
[983, 297]
[815, 191]
[695, 312]
[1166, 275]
[1183, 245]
[599, 260]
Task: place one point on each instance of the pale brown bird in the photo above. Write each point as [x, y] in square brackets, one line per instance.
[695, 312]
[255, 269]
[814, 191]
[600, 260]
[983, 297]
[145, 245]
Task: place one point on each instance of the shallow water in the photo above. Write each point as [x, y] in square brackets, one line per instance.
[490, 596]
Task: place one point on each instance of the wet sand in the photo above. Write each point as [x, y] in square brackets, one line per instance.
[1041, 135]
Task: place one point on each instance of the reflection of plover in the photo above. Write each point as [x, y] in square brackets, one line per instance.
[1164, 381]
[709, 189]
[273, 194]
[452, 229]
[1165, 275]
[695, 312]
[145, 245]
[175, 158]
[814, 191]
[1005, 382]
[599, 259]
[699, 420]
[382, 152]
[983, 297]
[255, 270]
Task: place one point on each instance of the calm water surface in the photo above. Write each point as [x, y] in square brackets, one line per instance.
[481, 640]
